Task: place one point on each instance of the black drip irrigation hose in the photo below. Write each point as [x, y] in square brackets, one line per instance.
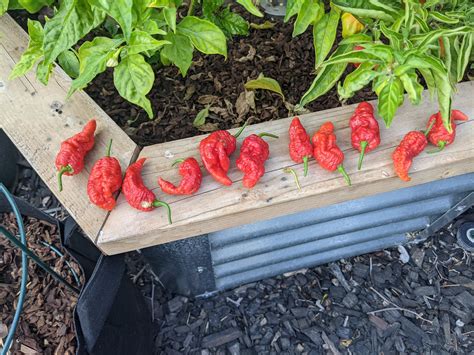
[25, 253]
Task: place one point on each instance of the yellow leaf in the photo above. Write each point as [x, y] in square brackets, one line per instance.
[350, 25]
[264, 83]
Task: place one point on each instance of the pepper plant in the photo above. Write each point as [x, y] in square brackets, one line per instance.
[126, 35]
[404, 42]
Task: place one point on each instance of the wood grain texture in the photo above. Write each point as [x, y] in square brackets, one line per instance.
[38, 118]
[216, 207]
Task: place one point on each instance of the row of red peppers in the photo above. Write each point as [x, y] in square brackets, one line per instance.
[105, 178]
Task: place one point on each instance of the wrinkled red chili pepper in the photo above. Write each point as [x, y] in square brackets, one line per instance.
[191, 178]
[137, 194]
[411, 145]
[215, 150]
[105, 180]
[439, 135]
[70, 158]
[365, 134]
[251, 161]
[300, 144]
[326, 151]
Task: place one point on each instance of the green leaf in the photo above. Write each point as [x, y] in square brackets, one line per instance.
[412, 87]
[70, 64]
[43, 72]
[324, 35]
[152, 27]
[34, 51]
[93, 57]
[327, 77]
[73, 21]
[423, 41]
[170, 17]
[292, 8]
[390, 99]
[395, 38]
[134, 78]
[310, 12]
[438, 16]
[356, 80]
[357, 38]
[201, 117]
[353, 57]
[262, 82]
[3, 6]
[141, 12]
[363, 8]
[179, 52]
[420, 61]
[250, 7]
[211, 7]
[263, 26]
[159, 3]
[444, 92]
[230, 23]
[141, 41]
[32, 6]
[120, 11]
[463, 56]
[206, 37]
[429, 80]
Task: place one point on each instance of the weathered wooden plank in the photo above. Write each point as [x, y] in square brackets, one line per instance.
[37, 118]
[216, 207]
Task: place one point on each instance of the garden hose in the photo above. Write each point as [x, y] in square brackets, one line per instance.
[24, 271]
[25, 252]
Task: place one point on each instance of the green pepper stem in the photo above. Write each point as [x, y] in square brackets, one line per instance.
[363, 146]
[343, 172]
[239, 132]
[429, 128]
[441, 145]
[109, 148]
[265, 134]
[64, 169]
[177, 161]
[295, 175]
[158, 203]
[191, 7]
[305, 165]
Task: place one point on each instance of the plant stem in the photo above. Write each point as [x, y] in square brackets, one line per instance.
[239, 132]
[344, 173]
[305, 165]
[265, 134]
[158, 203]
[293, 172]
[109, 148]
[363, 146]
[177, 161]
[191, 7]
[441, 146]
[64, 169]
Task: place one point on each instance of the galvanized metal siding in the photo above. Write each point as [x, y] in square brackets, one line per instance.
[256, 251]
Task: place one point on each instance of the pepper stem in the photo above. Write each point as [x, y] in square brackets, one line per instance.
[293, 172]
[429, 128]
[64, 169]
[265, 134]
[158, 203]
[177, 161]
[343, 172]
[363, 146]
[109, 148]
[305, 165]
[441, 146]
[239, 132]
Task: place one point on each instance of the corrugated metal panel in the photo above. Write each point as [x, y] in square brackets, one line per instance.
[272, 247]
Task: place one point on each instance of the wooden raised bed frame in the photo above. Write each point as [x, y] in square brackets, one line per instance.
[37, 131]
